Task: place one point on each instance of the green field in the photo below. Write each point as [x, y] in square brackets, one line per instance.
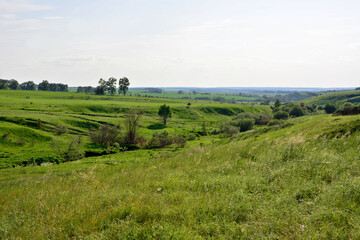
[296, 180]
[21, 113]
[189, 95]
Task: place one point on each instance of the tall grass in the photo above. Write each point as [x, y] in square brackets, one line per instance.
[290, 183]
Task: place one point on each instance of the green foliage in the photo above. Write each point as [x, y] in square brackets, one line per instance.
[160, 140]
[106, 134]
[276, 121]
[243, 124]
[30, 85]
[330, 108]
[60, 129]
[281, 115]
[124, 84]
[44, 86]
[296, 111]
[277, 103]
[228, 129]
[164, 112]
[69, 151]
[348, 110]
[132, 124]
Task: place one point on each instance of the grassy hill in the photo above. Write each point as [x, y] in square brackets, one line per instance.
[337, 97]
[31, 120]
[293, 181]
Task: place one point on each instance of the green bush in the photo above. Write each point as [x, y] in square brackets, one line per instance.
[228, 129]
[244, 124]
[106, 134]
[296, 111]
[275, 122]
[281, 115]
[160, 140]
[330, 108]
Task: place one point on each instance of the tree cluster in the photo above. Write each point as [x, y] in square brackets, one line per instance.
[9, 84]
[109, 86]
[291, 110]
[53, 87]
[87, 89]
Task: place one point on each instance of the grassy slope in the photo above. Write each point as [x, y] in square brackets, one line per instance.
[292, 183]
[20, 111]
[338, 97]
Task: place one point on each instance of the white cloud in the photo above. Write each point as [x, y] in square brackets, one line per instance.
[7, 16]
[52, 18]
[69, 60]
[21, 6]
[355, 45]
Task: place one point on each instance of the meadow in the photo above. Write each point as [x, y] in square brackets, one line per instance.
[297, 180]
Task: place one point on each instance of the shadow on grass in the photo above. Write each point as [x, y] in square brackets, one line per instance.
[156, 126]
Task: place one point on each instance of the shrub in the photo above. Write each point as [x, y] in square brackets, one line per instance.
[348, 111]
[228, 129]
[243, 124]
[60, 129]
[71, 151]
[296, 111]
[330, 108]
[179, 141]
[160, 140]
[281, 115]
[191, 136]
[106, 134]
[275, 122]
[260, 118]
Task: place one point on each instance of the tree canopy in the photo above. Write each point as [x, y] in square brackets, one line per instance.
[124, 84]
[164, 112]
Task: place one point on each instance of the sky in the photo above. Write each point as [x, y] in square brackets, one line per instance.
[182, 43]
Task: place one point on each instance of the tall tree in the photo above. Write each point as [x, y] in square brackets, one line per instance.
[30, 85]
[277, 103]
[101, 88]
[44, 86]
[124, 84]
[13, 84]
[111, 85]
[165, 113]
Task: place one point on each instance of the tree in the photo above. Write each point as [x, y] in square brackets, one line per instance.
[106, 134]
[281, 115]
[164, 112]
[330, 108]
[132, 123]
[296, 111]
[277, 103]
[53, 87]
[13, 84]
[99, 90]
[44, 86]
[30, 85]
[111, 85]
[123, 85]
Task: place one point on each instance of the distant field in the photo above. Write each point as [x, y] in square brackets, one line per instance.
[189, 95]
[337, 97]
[21, 113]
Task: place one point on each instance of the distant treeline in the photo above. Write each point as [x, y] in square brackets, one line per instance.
[30, 85]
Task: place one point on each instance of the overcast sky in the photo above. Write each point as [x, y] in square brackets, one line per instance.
[197, 43]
